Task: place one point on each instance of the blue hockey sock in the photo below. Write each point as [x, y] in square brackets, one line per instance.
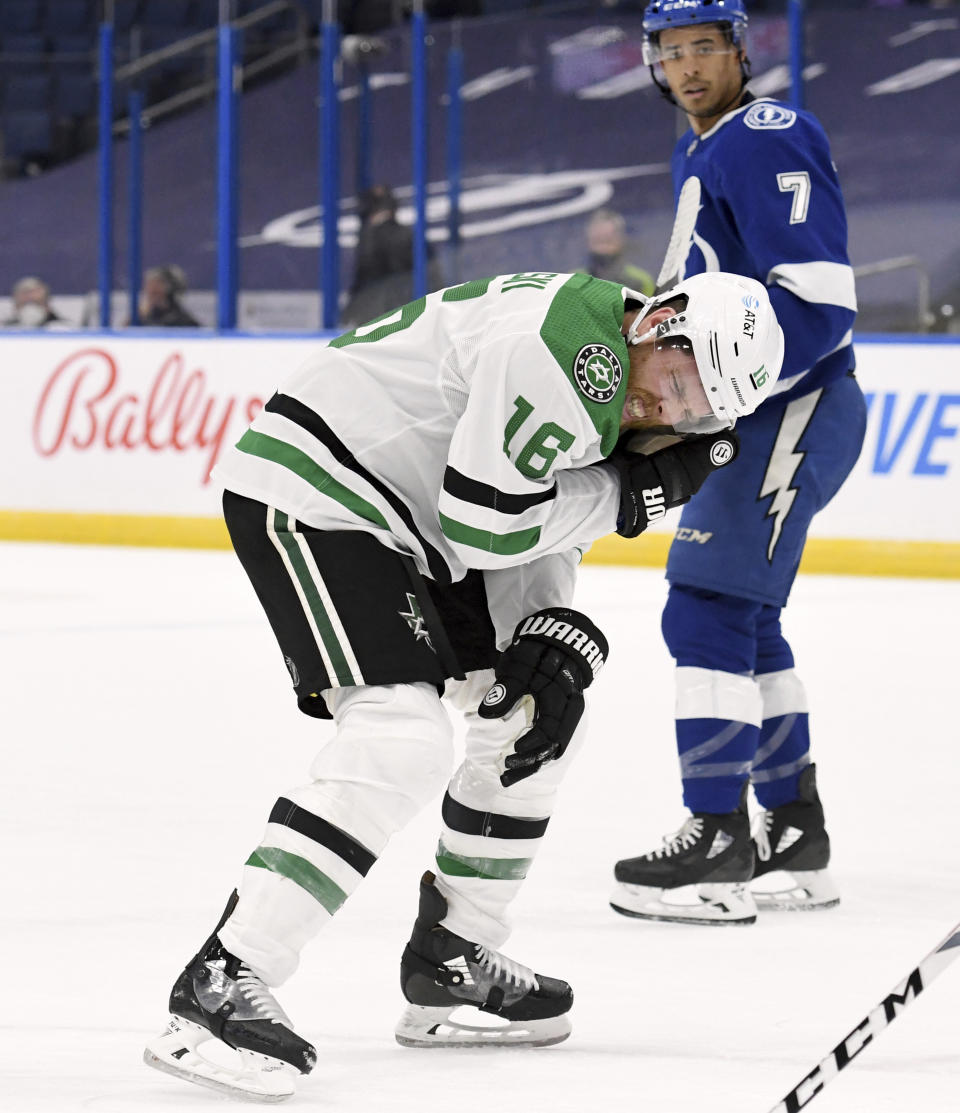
[715, 760]
[784, 744]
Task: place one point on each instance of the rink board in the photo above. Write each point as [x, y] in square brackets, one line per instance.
[110, 439]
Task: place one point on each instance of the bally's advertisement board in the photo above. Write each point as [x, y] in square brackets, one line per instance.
[110, 438]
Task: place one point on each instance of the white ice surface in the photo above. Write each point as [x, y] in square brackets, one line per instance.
[148, 727]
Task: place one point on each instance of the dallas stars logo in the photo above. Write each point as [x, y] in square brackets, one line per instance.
[414, 619]
[597, 372]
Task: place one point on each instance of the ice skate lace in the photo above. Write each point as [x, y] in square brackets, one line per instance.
[260, 997]
[505, 968]
[679, 840]
[762, 822]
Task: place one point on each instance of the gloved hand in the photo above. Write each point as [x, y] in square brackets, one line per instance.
[554, 656]
[652, 485]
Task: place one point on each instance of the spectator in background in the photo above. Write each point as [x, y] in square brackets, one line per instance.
[611, 253]
[160, 303]
[31, 305]
[383, 273]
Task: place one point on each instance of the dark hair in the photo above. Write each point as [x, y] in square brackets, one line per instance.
[376, 199]
[172, 277]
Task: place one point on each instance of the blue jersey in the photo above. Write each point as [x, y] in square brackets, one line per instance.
[758, 195]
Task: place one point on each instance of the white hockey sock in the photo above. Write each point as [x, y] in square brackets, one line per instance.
[391, 753]
[491, 834]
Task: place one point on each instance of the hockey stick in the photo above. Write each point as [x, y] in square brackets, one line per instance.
[872, 1024]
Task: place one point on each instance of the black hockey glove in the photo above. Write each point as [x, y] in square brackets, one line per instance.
[652, 485]
[554, 656]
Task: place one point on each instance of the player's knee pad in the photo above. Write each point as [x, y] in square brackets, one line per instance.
[783, 693]
[391, 754]
[710, 630]
[476, 783]
[715, 694]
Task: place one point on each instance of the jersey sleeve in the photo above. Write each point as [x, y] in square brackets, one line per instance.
[518, 482]
[789, 213]
[514, 593]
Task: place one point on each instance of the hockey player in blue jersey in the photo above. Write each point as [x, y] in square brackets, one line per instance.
[756, 193]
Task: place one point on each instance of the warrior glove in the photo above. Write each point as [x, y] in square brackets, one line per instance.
[652, 485]
[554, 656]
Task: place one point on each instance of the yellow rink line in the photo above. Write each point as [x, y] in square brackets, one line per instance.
[835, 556]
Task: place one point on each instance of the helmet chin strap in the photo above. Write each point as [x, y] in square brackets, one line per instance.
[632, 338]
[734, 100]
[745, 75]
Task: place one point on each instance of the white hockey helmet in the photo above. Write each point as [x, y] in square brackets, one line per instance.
[728, 322]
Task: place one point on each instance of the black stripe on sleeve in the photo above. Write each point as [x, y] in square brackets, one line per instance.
[314, 424]
[305, 823]
[468, 821]
[482, 494]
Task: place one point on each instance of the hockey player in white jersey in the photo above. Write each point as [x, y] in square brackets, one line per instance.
[756, 193]
[410, 508]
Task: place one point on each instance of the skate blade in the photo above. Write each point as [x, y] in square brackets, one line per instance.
[716, 904]
[795, 891]
[429, 1026]
[252, 1077]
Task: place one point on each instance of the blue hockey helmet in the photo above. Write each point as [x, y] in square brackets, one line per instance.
[662, 14]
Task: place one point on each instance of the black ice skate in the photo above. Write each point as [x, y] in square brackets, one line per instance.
[254, 1053]
[700, 875]
[793, 851]
[441, 972]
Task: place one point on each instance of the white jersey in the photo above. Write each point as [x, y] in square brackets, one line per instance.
[460, 429]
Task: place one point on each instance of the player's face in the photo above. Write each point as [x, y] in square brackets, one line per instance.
[702, 69]
[664, 390]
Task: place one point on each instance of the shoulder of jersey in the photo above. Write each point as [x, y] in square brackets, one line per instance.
[768, 115]
[775, 118]
[769, 123]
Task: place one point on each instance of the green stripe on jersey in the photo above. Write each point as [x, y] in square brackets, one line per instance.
[489, 869]
[503, 544]
[587, 310]
[300, 872]
[467, 290]
[292, 458]
[342, 673]
[386, 325]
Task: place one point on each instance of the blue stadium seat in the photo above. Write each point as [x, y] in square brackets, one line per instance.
[27, 90]
[24, 44]
[167, 13]
[80, 44]
[125, 14]
[282, 19]
[75, 93]
[27, 132]
[155, 38]
[65, 17]
[19, 16]
[206, 13]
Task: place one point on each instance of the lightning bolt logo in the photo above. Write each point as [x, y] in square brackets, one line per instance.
[784, 462]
